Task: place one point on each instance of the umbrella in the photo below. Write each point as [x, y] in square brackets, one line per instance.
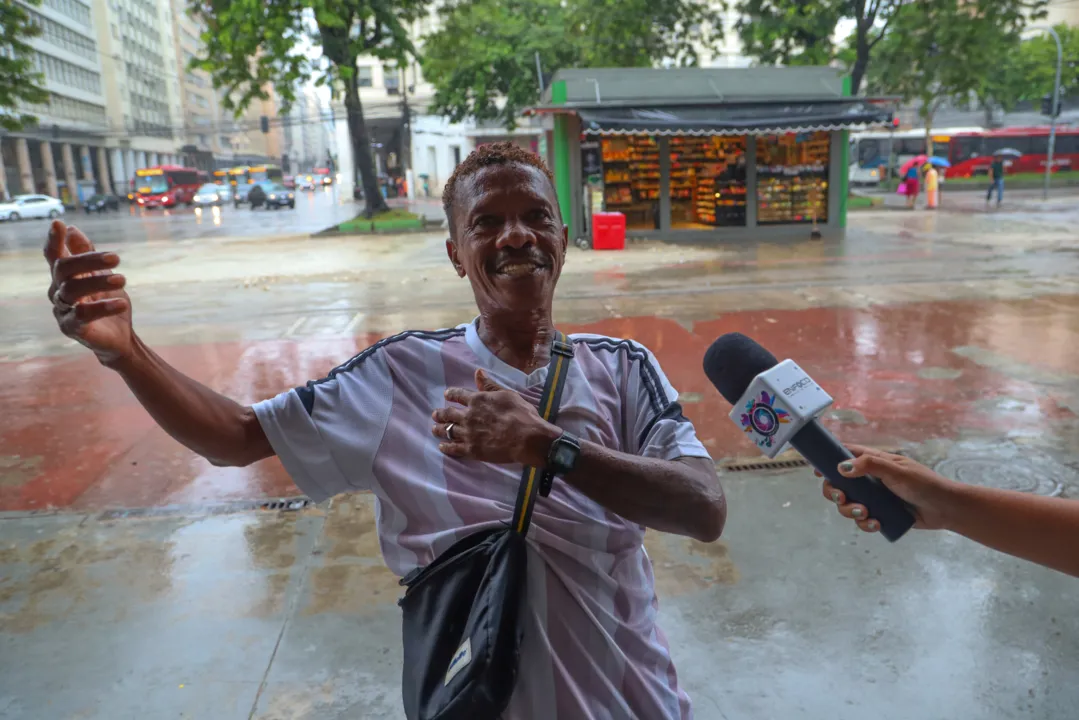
[910, 163]
[939, 162]
[1011, 152]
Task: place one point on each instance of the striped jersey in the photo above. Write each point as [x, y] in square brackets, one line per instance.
[592, 647]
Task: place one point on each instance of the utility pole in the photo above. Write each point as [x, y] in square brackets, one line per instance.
[406, 134]
[1053, 111]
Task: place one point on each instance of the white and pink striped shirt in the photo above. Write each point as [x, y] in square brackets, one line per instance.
[592, 648]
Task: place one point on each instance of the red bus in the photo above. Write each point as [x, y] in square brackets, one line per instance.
[971, 153]
[165, 186]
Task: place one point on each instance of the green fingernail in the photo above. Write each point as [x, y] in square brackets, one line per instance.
[846, 466]
[872, 525]
[835, 496]
[857, 512]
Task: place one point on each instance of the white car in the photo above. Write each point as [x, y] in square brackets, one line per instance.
[209, 194]
[304, 182]
[31, 206]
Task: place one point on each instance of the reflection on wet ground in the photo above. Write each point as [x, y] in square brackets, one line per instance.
[951, 336]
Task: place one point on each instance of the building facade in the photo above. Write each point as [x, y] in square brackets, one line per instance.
[121, 99]
[61, 156]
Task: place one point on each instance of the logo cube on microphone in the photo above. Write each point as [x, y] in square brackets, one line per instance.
[777, 404]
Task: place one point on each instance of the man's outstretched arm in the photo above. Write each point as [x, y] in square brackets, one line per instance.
[91, 306]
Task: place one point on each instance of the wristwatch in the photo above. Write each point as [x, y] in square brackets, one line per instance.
[561, 459]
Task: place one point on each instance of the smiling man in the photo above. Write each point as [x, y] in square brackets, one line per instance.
[438, 424]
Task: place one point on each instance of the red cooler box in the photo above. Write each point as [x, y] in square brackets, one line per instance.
[608, 231]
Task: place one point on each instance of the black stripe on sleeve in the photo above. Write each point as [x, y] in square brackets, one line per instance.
[307, 392]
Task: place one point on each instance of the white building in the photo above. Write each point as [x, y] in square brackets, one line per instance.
[59, 153]
[307, 136]
[142, 85]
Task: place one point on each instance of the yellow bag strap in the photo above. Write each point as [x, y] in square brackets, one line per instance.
[557, 371]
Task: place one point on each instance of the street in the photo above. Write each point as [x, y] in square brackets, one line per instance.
[138, 580]
[315, 210]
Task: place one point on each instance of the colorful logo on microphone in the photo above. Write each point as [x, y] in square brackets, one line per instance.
[764, 418]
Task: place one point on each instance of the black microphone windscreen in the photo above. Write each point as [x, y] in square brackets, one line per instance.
[733, 361]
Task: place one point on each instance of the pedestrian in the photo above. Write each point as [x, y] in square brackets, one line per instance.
[438, 425]
[996, 180]
[1044, 530]
[911, 180]
[931, 186]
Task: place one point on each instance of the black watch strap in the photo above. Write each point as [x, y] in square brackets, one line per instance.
[553, 468]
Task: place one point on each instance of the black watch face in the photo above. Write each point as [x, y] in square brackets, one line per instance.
[564, 457]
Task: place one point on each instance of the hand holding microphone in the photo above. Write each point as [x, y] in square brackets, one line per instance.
[928, 494]
[777, 403]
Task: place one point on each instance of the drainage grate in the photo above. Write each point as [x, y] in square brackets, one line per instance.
[790, 461]
[288, 504]
[750, 465]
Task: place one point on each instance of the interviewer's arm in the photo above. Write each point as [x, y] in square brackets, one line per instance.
[1044, 530]
[1041, 529]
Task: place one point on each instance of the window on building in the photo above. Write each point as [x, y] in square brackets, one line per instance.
[364, 76]
[391, 78]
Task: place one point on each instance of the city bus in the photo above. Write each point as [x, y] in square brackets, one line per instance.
[249, 174]
[869, 151]
[972, 153]
[165, 186]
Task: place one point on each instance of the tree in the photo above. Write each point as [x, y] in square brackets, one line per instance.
[19, 82]
[942, 50]
[250, 44]
[800, 32]
[1037, 60]
[482, 60]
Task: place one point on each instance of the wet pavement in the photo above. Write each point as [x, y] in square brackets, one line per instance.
[315, 210]
[136, 580]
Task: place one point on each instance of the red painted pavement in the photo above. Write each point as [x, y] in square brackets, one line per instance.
[73, 436]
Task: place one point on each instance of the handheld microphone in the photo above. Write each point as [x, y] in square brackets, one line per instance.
[776, 403]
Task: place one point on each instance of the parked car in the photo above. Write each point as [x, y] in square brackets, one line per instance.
[305, 182]
[208, 194]
[31, 206]
[101, 202]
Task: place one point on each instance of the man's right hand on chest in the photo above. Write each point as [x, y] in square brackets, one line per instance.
[88, 297]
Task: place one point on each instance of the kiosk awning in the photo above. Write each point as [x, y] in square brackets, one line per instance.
[732, 119]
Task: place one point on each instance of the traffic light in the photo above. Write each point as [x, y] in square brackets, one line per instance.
[264, 123]
[1047, 106]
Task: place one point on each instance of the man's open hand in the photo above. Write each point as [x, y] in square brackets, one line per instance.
[493, 424]
[88, 298]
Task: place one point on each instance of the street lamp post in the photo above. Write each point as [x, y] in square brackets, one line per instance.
[1052, 110]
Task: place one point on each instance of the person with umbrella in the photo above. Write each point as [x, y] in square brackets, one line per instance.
[996, 174]
[932, 181]
[909, 173]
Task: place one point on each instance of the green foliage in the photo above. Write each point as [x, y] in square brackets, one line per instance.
[482, 60]
[19, 82]
[800, 32]
[1036, 59]
[250, 44]
[946, 49]
[790, 32]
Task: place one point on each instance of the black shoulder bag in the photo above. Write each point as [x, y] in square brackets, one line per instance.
[461, 630]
